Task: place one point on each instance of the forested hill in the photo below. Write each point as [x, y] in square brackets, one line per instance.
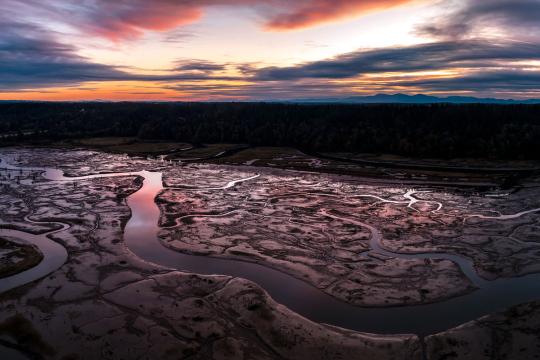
[440, 130]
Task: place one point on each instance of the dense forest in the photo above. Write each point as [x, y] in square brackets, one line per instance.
[439, 130]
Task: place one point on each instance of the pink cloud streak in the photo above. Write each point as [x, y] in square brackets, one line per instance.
[123, 20]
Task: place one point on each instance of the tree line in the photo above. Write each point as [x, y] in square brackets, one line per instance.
[437, 130]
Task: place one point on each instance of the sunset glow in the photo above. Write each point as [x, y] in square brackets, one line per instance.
[188, 50]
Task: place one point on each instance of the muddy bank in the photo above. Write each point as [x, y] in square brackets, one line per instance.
[16, 256]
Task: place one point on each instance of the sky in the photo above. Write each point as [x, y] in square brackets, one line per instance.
[247, 50]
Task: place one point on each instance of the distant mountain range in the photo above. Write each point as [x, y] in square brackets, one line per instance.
[413, 99]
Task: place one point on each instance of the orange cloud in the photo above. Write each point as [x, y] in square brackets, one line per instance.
[118, 21]
[128, 19]
[311, 13]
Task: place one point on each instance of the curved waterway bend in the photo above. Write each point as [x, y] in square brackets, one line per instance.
[54, 256]
[141, 238]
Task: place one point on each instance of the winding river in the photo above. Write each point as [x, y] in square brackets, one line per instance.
[141, 238]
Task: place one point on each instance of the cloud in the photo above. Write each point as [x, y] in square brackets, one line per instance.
[473, 18]
[482, 66]
[480, 81]
[259, 90]
[423, 57]
[178, 36]
[119, 20]
[115, 20]
[32, 58]
[128, 19]
[468, 46]
[199, 66]
[309, 13]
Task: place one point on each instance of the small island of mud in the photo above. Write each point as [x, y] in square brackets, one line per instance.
[17, 256]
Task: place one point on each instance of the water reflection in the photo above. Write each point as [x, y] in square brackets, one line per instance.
[141, 238]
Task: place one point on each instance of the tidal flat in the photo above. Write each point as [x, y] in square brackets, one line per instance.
[155, 258]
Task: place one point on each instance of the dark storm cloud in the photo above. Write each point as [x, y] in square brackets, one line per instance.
[431, 56]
